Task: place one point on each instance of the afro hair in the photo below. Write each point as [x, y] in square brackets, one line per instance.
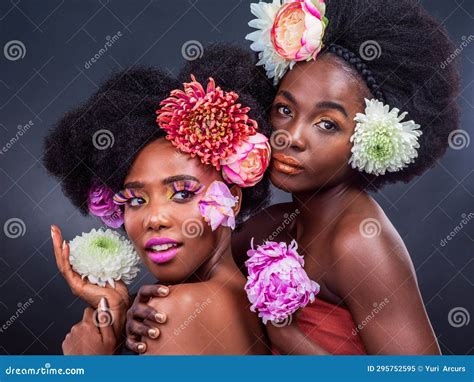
[98, 141]
[410, 47]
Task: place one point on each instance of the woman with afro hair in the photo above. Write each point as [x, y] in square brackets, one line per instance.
[166, 189]
[360, 102]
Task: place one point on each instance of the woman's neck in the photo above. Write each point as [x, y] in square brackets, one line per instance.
[220, 259]
[319, 208]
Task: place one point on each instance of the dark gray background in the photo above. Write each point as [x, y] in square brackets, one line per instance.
[61, 36]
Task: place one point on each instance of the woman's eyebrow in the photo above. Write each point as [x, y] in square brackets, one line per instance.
[134, 185]
[332, 105]
[288, 96]
[319, 105]
[177, 178]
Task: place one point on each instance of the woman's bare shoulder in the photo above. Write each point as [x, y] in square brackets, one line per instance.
[365, 239]
[203, 318]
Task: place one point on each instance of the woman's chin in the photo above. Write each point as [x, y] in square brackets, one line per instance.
[285, 182]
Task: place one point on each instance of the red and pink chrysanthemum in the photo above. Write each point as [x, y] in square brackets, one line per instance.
[207, 123]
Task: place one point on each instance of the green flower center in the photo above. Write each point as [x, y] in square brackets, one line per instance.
[381, 146]
[104, 244]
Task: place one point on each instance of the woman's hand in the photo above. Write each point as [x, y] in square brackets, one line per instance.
[117, 297]
[139, 311]
[92, 336]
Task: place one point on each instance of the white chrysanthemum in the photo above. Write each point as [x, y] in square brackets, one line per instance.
[275, 65]
[381, 142]
[104, 256]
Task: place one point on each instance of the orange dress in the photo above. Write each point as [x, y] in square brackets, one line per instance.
[331, 327]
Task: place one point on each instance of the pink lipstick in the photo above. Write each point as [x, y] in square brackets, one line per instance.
[161, 249]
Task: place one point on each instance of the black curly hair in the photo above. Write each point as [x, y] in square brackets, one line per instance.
[98, 141]
[398, 50]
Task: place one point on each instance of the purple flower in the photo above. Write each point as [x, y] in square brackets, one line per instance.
[217, 205]
[277, 284]
[100, 202]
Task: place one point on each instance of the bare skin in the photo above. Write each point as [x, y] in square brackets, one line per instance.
[206, 299]
[315, 105]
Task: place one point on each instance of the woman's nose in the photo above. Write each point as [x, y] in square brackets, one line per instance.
[156, 219]
[297, 135]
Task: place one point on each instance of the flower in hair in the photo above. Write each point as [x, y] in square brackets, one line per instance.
[287, 33]
[217, 205]
[381, 141]
[207, 123]
[277, 284]
[246, 167]
[100, 203]
[104, 256]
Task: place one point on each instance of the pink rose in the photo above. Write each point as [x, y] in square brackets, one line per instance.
[298, 29]
[277, 284]
[100, 202]
[246, 167]
[217, 204]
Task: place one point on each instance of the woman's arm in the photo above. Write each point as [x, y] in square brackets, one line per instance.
[377, 281]
[290, 340]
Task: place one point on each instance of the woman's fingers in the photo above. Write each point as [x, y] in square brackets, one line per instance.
[72, 278]
[69, 274]
[137, 329]
[146, 312]
[61, 252]
[148, 291]
[105, 321]
[108, 335]
[136, 346]
[57, 246]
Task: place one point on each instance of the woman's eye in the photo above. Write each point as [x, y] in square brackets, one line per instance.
[327, 125]
[137, 201]
[183, 195]
[283, 109]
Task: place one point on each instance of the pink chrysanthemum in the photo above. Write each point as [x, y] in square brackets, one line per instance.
[207, 123]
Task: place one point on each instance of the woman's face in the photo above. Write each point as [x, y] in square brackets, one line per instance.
[315, 105]
[163, 219]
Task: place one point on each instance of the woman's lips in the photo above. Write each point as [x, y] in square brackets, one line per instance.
[161, 249]
[286, 164]
[162, 256]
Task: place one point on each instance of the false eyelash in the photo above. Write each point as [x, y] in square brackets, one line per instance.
[122, 197]
[185, 185]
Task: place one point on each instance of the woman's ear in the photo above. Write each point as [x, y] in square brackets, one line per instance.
[236, 191]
